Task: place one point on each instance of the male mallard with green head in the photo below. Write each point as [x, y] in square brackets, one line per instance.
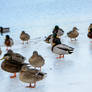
[73, 34]
[24, 37]
[8, 41]
[36, 60]
[59, 48]
[58, 31]
[31, 76]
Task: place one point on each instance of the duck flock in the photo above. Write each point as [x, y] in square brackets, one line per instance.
[14, 62]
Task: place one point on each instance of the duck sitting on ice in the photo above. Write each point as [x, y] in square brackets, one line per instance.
[90, 31]
[8, 41]
[73, 34]
[10, 65]
[24, 37]
[59, 48]
[48, 39]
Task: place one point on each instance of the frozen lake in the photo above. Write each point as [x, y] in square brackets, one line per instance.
[71, 74]
[38, 18]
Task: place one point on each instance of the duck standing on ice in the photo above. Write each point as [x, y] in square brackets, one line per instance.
[90, 31]
[73, 34]
[0, 51]
[59, 48]
[57, 31]
[36, 60]
[24, 37]
[8, 41]
[31, 76]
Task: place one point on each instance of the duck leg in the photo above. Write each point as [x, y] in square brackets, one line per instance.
[7, 48]
[23, 42]
[30, 85]
[27, 42]
[33, 85]
[13, 76]
[60, 56]
[75, 39]
[71, 39]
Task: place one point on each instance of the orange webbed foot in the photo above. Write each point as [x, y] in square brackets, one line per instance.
[61, 56]
[14, 76]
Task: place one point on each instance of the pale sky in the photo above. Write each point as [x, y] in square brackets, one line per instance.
[37, 12]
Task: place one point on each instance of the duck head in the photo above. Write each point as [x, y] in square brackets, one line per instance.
[23, 32]
[7, 37]
[35, 53]
[75, 29]
[56, 27]
[10, 51]
[6, 57]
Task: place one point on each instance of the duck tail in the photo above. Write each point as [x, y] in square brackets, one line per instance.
[70, 52]
[42, 75]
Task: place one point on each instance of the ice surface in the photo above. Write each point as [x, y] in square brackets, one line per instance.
[71, 74]
[38, 17]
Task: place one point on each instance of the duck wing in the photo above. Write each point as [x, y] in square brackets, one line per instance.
[65, 47]
[69, 32]
[41, 58]
[18, 57]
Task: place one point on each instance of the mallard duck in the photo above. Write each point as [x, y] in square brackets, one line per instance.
[0, 51]
[59, 48]
[90, 27]
[36, 60]
[31, 76]
[8, 41]
[90, 31]
[10, 65]
[73, 34]
[48, 39]
[58, 31]
[24, 37]
[16, 56]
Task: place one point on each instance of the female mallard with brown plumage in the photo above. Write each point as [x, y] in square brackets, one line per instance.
[0, 51]
[59, 48]
[24, 37]
[73, 34]
[36, 60]
[31, 76]
[10, 65]
[90, 31]
[47, 40]
[8, 41]
[16, 56]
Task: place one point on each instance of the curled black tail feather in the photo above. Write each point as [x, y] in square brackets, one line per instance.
[70, 52]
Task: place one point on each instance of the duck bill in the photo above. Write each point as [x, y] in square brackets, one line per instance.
[2, 58]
